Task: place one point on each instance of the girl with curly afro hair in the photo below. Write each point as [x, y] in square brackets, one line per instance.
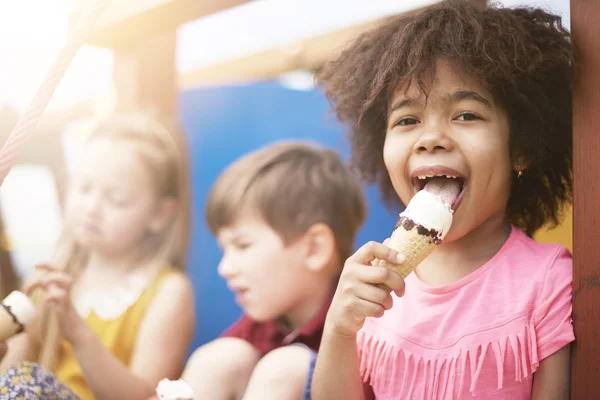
[475, 98]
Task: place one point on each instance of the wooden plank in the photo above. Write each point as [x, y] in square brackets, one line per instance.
[126, 22]
[586, 214]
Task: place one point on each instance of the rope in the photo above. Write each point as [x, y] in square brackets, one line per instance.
[33, 113]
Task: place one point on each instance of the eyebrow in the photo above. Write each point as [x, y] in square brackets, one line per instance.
[452, 98]
[468, 95]
[403, 103]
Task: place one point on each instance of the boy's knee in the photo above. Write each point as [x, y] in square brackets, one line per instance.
[222, 366]
[227, 357]
[287, 365]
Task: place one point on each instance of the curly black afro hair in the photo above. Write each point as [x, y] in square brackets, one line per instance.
[523, 56]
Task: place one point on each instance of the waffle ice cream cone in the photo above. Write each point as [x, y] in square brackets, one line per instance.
[16, 312]
[420, 228]
[413, 246]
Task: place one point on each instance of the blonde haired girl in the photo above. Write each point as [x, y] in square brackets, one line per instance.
[118, 309]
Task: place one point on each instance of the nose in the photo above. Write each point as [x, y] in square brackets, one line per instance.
[226, 268]
[93, 204]
[433, 139]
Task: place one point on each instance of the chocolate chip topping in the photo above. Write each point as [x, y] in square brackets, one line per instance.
[409, 224]
[14, 317]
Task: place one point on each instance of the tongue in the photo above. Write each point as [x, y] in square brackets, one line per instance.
[447, 188]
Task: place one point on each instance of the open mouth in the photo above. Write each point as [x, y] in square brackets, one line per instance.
[450, 185]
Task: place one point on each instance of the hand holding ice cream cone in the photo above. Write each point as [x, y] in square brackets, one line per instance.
[364, 289]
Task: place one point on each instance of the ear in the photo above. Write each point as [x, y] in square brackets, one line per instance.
[320, 246]
[166, 209]
[520, 163]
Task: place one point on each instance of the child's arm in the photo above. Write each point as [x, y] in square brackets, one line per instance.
[337, 370]
[551, 381]
[363, 291]
[554, 330]
[161, 345]
[20, 349]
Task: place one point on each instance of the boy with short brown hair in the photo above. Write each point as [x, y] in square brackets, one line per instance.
[286, 217]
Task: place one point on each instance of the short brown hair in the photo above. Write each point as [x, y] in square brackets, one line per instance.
[522, 56]
[293, 186]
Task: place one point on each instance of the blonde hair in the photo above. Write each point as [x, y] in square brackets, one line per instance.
[164, 152]
[292, 185]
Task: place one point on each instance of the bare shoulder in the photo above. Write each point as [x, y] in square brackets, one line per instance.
[175, 296]
[177, 287]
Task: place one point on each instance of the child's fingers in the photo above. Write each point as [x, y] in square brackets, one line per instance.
[59, 279]
[382, 277]
[47, 267]
[57, 294]
[369, 309]
[377, 262]
[375, 294]
[373, 250]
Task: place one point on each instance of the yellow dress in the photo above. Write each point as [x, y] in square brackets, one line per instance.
[118, 335]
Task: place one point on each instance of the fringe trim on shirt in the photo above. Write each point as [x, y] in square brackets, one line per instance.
[439, 374]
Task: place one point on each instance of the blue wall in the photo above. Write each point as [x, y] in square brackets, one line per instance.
[226, 122]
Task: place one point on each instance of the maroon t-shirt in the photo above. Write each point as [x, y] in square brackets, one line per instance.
[267, 336]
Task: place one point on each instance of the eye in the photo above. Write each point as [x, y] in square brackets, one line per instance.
[467, 116]
[243, 245]
[119, 201]
[407, 121]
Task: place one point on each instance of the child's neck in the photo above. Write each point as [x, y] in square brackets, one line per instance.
[455, 260]
[309, 308]
[110, 264]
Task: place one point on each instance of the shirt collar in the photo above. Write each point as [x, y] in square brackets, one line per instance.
[313, 326]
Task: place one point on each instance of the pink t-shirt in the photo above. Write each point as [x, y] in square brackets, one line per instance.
[482, 336]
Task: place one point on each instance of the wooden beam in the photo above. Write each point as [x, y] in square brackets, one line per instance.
[586, 218]
[307, 54]
[126, 22]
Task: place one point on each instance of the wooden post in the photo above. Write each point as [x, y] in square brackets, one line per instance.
[145, 75]
[586, 222]
[9, 280]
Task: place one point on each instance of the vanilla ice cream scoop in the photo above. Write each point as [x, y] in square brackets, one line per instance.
[174, 390]
[16, 312]
[429, 211]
